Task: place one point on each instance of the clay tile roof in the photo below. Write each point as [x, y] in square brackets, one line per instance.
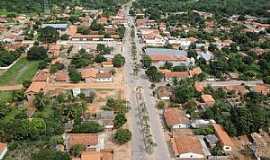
[36, 87]
[237, 89]
[72, 30]
[262, 88]
[177, 74]
[174, 116]
[199, 87]
[91, 156]
[223, 136]
[208, 99]
[61, 76]
[186, 143]
[107, 63]
[41, 76]
[195, 71]
[3, 146]
[104, 75]
[160, 57]
[164, 71]
[102, 155]
[89, 73]
[82, 138]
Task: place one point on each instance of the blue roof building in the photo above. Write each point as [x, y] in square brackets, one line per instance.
[60, 26]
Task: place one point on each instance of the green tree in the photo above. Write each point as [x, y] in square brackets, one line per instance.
[41, 101]
[122, 136]
[184, 91]
[77, 149]
[153, 74]
[82, 59]
[37, 53]
[88, 127]
[161, 105]
[192, 53]
[100, 58]
[65, 37]
[18, 96]
[118, 60]
[116, 105]
[102, 49]
[74, 75]
[119, 120]
[48, 154]
[48, 35]
[147, 61]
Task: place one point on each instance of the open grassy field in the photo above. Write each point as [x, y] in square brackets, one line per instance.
[23, 70]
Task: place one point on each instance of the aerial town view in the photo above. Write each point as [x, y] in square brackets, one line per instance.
[134, 79]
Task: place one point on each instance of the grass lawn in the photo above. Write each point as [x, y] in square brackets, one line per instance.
[23, 70]
[5, 96]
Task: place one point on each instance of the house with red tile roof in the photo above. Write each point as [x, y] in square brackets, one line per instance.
[95, 75]
[3, 150]
[169, 76]
[224, 139]
[91, 141]
[107, 64]
[262, 88]
[106, 154]
[35, 88]
[199, 87]
[89, 74]
[61, 76]
[195, 71]
[175, 118]
[160, 56]
[208, 100]
[104, 76]
[186, 146]
[41, 76]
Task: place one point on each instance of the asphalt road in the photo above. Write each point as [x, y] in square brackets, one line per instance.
[161, 151]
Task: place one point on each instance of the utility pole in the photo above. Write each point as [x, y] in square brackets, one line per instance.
[46, 7]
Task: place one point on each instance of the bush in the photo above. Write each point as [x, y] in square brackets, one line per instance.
[77, 149]
[122, 136]
[74, 75]
[118, 60]
[161, 105]
[100, 58]
[7, 58]
[266, 79]
[204, 131]
[119, 120]
[37, 53]
[46, 154]
[88, 127]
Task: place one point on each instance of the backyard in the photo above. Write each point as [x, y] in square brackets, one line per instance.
[23, 70]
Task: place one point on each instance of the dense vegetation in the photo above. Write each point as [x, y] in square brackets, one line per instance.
[28, 6]
[157, 8]
[6, 57]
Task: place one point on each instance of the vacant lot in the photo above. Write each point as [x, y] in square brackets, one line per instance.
[23, 70]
